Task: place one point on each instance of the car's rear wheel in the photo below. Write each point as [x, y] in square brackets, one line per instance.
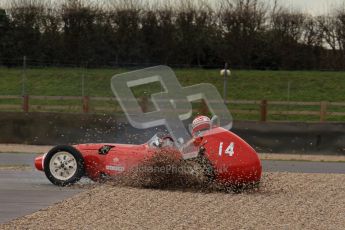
[64, 165]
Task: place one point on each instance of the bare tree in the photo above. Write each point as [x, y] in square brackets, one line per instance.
[26, 23]
[312, 35]
[242, 22]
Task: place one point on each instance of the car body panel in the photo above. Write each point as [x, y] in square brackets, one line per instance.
[233, 160]
[242, 165]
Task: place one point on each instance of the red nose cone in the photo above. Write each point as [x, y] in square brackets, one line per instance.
[39, 163]
[241, 170]
[234, 161]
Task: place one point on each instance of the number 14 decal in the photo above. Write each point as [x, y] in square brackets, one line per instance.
[228, 151]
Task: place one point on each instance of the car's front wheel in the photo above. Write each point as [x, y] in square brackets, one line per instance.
[64, 165]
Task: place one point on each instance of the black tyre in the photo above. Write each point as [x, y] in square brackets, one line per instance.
[64, 165]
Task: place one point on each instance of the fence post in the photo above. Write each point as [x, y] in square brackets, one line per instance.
[204, 108]
[144, 103]
[263, 110]
[323, 110]
[26, 103]
[24, 91]
[86, 101]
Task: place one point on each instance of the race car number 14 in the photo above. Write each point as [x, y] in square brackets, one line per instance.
[228, 151]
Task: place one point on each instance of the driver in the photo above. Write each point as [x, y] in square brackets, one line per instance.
[200, 124]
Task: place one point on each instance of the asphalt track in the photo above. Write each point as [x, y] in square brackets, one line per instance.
[25, 191]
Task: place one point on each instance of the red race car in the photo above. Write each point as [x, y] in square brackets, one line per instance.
[231, 159]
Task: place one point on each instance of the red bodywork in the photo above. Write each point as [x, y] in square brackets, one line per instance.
[238, 163]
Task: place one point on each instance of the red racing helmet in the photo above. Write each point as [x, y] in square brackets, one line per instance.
[199, 124]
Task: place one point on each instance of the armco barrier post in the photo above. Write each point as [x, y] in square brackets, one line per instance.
[86, 101]
[26, 103]
[263, 110]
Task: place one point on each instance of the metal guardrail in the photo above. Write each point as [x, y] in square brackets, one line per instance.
[262, 106]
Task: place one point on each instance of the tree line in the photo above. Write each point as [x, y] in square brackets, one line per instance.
[245, 33]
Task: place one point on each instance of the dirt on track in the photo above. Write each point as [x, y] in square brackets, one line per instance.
[283, 201]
